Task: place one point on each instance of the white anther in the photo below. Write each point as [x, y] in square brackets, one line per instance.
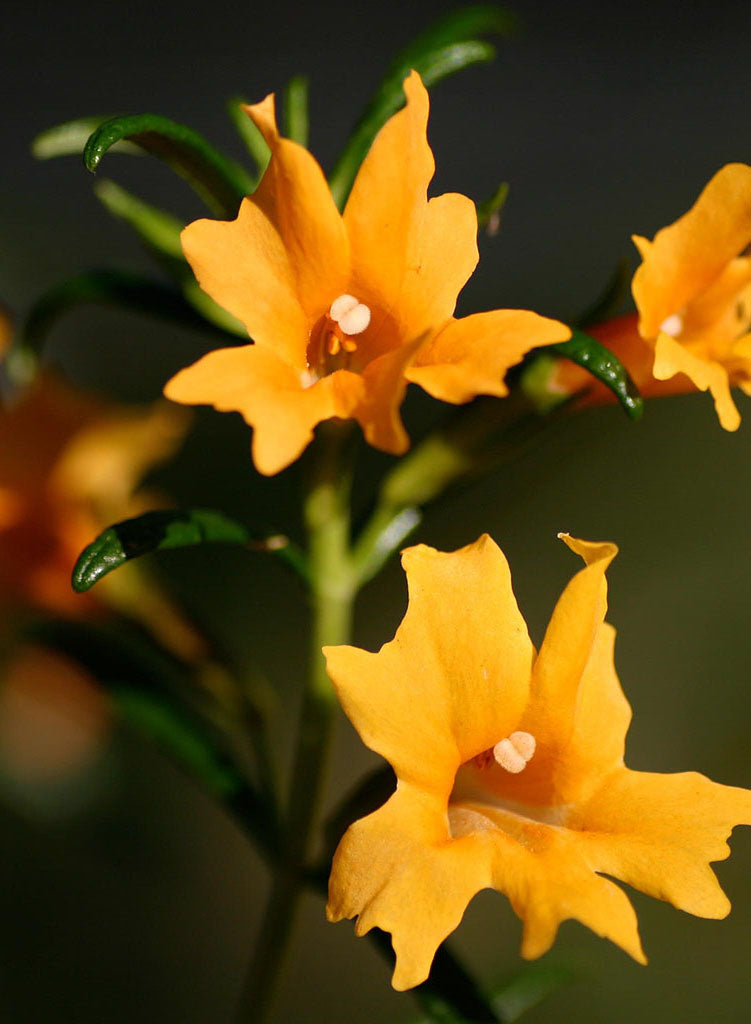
[672, 325]
[342, 305]
[355, 320]
[352, 315]
[515, 751]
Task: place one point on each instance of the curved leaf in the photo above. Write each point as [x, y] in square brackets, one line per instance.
[171, 528]
[296, 110]
[160, 232]
[219, 181]
[103, 287]
[589, 353]
[251, 136]
[69, 139]
[448, 45]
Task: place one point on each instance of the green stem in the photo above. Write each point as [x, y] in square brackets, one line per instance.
[333, 589]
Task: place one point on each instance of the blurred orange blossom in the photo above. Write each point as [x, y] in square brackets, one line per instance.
[345, 310]
[510, 770]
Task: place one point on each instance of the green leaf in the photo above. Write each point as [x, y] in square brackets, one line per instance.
[528, 988]
[296, 110]
[219, 181]
[172, 528]
[251, 136]
[157, 229]
[448, 45]
[103, 287]
[158, 689]
[69, 139]
[179, 737]
[160, 232]
[489, 211]
[589, 353]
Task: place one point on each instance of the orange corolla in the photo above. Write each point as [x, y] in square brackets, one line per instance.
[693, 295]
[70, 465]
[510, 770]
[345, 310]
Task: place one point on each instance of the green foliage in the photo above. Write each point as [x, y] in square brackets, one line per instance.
[153, 531]
[171, 528]
[451, 43]
[160, 232]
[589, 353]
[219, 181]
[528, 988]
[295, 124]
[174, 732]
[251, 136]
[68, 139]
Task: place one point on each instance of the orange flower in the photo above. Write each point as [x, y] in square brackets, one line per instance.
[70, 465]
[693, 294]
[510, 770]
[345, 309]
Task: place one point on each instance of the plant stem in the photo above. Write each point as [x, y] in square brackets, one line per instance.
[333, 589]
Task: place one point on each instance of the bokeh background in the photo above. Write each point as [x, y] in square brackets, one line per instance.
[125, 894]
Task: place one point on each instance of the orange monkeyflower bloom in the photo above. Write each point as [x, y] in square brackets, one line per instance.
[693, 294]
[344, 310]
[510, 770]
[70, 465]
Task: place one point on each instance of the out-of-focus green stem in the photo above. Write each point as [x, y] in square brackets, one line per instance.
[333, 586]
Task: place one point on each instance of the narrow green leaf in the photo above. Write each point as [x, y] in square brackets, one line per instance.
[489, 211]
[178, 736]
[160, 232]
[589, 353]
[219, 181]
[170, 528]
[157, 229]
[448, 45]
[103, 287]
[159, 689]
[251, 136]
[528, 988]
[296, 110]
[69, 139]
[609, 302]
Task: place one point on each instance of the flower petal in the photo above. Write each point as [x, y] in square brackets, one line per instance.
[447, 686]
[707, 375]
[686, 257]
[399, 871]
[268, 392]
[388, 202]
[294, 195]
[470, 357]
[660, 832]
[568, 645]
[280, 264]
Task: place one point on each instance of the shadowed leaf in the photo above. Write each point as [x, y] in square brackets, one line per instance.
[589, 353]
[171, 528]
[451, 43]
[219, 181]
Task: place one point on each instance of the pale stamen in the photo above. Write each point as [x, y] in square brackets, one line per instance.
[352, 316]
[514, 752]
[672, 325]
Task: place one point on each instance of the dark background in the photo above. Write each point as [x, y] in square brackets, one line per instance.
[138, 900]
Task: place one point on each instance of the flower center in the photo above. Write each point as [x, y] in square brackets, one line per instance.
[514, 752]
[332, 338]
